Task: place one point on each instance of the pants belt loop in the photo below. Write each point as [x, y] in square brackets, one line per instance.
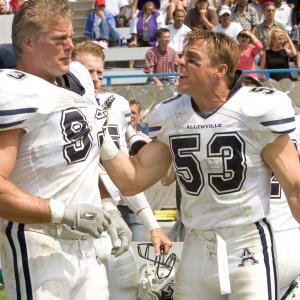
[223, 265]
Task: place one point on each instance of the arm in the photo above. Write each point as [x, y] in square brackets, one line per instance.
[16, 205]
[169, 177]
[289, 47]
[133, 175]
[262, 64]
[209, 25]
[281, 156]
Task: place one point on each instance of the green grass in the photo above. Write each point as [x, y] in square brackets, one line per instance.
[3, 295]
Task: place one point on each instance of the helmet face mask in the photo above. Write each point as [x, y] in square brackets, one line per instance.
[157, 275]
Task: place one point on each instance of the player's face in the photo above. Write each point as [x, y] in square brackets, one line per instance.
[196, 69]
[134, 115]
[52, 51]
[95, 66]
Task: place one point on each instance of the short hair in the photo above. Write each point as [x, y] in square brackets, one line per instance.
[35, 17]
[266, 4]
[222, 49]
[160, 32]
[88, 47]
[178, 10]
[136, 102]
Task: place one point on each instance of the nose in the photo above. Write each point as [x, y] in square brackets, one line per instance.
[69, 43]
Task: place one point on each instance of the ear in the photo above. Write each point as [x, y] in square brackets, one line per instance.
[27, 44]
[221, 71]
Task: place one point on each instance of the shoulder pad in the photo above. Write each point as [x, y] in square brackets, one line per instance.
[271, 108]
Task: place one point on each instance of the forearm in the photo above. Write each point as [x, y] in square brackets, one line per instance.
[18, 206]
[209, 26]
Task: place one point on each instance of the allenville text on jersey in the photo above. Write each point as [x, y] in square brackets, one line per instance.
[194, 126]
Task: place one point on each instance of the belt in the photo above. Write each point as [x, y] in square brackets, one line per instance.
[59, 231]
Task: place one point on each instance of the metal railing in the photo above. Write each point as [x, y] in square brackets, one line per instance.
[267, 72]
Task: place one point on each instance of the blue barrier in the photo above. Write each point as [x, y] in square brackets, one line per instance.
[108, 78]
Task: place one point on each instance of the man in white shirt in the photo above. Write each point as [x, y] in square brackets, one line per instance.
[117, 7]
[283, 14]
[226, 25]
[178, 30]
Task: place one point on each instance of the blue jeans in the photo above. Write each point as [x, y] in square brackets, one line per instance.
[134, 222]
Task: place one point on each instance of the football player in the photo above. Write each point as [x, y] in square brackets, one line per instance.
[50, 206]
[224, 143]
[122, 284]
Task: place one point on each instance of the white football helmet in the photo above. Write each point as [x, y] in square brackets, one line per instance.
[156, 276]
[293, 292]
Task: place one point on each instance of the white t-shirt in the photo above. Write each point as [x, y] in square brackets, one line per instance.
[113, 6]
[233, 30]
[177, 36]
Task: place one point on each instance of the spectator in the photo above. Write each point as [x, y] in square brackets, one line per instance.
[121, 21]
[281, 48]
[161, 59]
[14, 5]
[262, 30]
[116, 7]
[135, 108]
[101, 24]
[3, 8]
[283, 14]
[178, 30]
[146, 24]
[202, 16]
[172, 5]
[249, 47]
[244, 14]
[226, 25]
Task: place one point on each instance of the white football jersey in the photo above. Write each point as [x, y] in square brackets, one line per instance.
[280, 214]
[59, 153]
[218, 162]
[118, 122]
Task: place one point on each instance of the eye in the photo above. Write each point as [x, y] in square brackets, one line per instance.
[193, 61]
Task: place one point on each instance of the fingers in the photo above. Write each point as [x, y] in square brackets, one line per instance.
[112, 232]
[122, 248]
[161, 243]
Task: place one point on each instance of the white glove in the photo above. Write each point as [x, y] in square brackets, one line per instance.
[123, 232]
[85, 218]
[121, 240]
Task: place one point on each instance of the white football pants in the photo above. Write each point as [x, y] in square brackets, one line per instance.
[43, 267]
[234, 263]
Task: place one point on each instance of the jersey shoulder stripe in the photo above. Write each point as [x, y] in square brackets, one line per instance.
[273, 124]
[172, 99]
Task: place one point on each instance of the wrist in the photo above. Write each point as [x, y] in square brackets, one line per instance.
[108, 149]
[108, 205]
[57, 210]
[148, 218]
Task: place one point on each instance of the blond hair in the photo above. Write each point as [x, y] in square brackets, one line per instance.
[272, 34]
[35, 17]
[222, 49]
[88, 47]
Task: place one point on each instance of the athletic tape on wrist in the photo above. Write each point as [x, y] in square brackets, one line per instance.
[148, 218]
[108, 149]
[57, 211]
[107, 204]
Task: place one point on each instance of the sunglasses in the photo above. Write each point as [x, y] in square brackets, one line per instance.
[243, 36]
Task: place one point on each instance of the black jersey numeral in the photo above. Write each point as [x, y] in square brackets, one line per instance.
[229, 147]
[76, 133]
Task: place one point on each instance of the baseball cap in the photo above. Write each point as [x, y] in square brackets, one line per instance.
[99, 2]
[224, 10]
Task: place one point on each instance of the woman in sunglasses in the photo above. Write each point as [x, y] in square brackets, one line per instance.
[249, 47]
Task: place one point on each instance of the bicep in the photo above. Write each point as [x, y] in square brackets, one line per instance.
[9, 144]
[282, 157]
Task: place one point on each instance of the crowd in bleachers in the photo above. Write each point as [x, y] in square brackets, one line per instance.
[253, 24]
[267, 32]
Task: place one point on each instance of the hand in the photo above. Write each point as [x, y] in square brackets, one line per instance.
[86, 218]
[161, 243]
[132, 44]
[124, 234]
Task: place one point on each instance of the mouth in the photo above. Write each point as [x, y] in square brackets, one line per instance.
[182, 76]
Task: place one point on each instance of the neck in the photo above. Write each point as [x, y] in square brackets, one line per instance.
[269, 22]
[242, 8]
[162, 48]
[28, 68]
[177, 26]
[242, 46]
[212, 99]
